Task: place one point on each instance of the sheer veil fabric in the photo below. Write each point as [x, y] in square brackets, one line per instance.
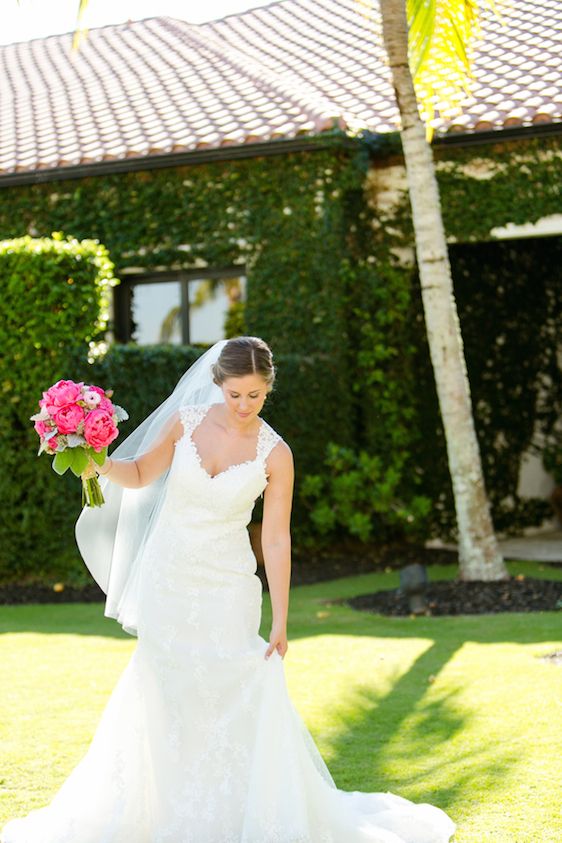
[112, 538]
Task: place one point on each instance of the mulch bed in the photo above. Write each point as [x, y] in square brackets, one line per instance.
[519, 594]
[455, 597]
[17, 594]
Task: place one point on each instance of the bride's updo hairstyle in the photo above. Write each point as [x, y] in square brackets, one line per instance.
[244, 356]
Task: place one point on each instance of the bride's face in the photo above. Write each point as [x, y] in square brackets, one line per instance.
[244, 396]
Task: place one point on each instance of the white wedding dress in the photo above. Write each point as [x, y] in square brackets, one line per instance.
[199, 741]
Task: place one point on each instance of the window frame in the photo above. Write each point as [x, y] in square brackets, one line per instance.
[122, 298]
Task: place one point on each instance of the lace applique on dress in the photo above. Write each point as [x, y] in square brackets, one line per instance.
[191, 415]
[267, 442]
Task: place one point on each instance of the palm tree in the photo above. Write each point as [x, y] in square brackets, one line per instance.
[435, 45]
[433, 37]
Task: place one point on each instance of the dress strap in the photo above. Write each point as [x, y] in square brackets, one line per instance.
[191, 415]
[267, 441]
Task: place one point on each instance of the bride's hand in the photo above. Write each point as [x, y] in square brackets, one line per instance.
[277, 641]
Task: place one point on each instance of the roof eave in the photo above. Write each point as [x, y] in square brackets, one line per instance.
[486, 136]
[178, 159]
[267, 148]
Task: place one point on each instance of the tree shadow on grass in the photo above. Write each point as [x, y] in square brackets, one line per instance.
[397, 738]
[393, 740]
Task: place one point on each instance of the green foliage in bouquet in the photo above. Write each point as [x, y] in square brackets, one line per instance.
[76, 459]
[361, 492]
[54, 303]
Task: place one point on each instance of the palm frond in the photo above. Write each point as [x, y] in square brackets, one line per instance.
[421, 22]
[80, 31]
[441, 39]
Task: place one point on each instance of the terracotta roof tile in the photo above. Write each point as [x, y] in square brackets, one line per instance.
[526, 50]
[294, 67]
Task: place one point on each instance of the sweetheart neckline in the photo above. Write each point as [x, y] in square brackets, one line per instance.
[189, 435]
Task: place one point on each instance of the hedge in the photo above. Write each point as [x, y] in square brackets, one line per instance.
[54, 304]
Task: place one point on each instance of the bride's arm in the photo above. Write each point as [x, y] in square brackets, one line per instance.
[132, 474]
[276, 530]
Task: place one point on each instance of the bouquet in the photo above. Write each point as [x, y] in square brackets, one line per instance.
[76, 424]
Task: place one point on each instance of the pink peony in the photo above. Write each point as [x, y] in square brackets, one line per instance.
[61, 394]
[68, 418]
[99, 429]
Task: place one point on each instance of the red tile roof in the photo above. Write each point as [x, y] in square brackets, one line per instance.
[294, 67]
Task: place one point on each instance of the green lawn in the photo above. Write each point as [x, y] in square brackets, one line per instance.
[460, 712]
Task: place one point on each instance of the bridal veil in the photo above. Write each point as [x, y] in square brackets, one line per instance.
[111, 538]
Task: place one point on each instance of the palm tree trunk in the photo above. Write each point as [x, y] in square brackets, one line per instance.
[479, 556]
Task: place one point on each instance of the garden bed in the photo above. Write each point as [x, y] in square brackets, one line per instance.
[455, 597]
[448, 597]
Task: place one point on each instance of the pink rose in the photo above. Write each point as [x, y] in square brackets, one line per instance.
[61, 394]
[42, 428]
[104, 403]
[99, 429]
[68, 418]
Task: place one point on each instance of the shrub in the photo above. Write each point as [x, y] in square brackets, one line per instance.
[361, 493]
[54, 302]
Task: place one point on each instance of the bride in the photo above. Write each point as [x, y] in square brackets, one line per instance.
[199, 741]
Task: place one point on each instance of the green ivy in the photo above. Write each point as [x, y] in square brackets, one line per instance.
[491, 185]
[509, 297]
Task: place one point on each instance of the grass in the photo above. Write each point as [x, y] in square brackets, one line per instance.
[460, 712]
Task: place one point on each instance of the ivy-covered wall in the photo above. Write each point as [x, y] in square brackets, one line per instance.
[325, 237]
[486, 187]
[281, 216]
[300, 225]
[292, 221]
[482, 187]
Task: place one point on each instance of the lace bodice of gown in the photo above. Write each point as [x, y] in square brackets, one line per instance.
[212, 508]
[231, 493]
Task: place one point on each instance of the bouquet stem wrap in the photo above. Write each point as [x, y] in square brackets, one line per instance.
[92, 494]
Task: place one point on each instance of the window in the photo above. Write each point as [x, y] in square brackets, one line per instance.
[177, 307]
